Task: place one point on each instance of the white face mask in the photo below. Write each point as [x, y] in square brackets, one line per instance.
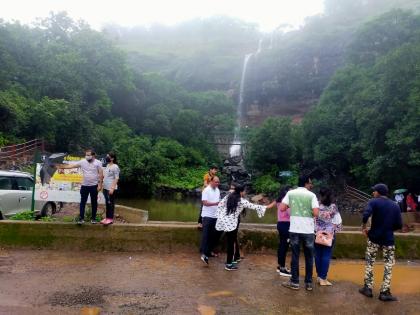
[88, 157]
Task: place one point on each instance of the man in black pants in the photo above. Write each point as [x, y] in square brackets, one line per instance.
[92, 182]
[206, 181]
[210, 199]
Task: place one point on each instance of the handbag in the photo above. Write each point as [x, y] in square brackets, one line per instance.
[324, 238]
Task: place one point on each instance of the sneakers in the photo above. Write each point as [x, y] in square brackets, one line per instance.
[80, 222]
[230, 267]
[283, 271]
[93, 222]
[291, 285]
[205, 259]
[387, 296]
[106, 221]
[366, 291]
[309, 287]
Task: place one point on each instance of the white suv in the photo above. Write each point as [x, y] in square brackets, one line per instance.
[16, 195]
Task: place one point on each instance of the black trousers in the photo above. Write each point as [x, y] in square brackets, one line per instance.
[200, 219]
[283, 229]
[231, 238]
[85, 191]
[210, 236]
[109, 203]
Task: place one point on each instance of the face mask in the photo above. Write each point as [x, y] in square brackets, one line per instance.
[88, 158]
[108, 159]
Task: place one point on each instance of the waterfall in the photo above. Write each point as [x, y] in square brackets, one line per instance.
[235, 149]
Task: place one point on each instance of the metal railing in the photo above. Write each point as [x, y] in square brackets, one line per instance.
[357, 194]
[14, 151]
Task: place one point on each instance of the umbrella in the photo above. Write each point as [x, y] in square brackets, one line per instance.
[400, 191]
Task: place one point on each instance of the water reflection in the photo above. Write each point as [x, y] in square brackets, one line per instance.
[186, 210]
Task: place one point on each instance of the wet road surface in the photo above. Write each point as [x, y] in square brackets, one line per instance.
[51, 282]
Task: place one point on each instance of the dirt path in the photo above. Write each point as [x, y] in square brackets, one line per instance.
[49, 282]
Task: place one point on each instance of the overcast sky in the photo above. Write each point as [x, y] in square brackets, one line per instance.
[267, 13]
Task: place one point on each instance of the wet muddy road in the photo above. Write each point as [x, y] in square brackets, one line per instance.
[49, 282]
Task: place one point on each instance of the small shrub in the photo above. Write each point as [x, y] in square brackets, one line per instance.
[23, 216]
[266, 184]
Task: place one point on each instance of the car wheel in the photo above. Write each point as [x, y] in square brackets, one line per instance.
[48, 209]
[1, 216]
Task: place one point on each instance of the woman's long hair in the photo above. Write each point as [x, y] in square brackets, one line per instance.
[233, 199]
[325, 196]
[113, 156]
[283, 193]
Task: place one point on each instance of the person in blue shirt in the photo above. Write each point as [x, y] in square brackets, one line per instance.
[386, 218]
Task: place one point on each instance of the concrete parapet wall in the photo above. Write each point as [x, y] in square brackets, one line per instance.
[167, 237]
[132, 215]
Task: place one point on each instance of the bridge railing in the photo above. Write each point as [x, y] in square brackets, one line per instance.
[15, 151]
[356, 193]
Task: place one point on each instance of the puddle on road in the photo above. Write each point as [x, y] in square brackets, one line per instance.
[206, 310]
[90, 311]
[405, 279]
[220, 293]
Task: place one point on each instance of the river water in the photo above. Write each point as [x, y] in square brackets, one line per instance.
[186, 210]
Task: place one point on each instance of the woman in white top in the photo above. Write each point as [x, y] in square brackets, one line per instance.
[111, 177]
[228, 212]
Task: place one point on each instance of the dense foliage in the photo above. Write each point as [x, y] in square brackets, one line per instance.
[66, 83]
[201, 54]
[367, 121]
[159, 102]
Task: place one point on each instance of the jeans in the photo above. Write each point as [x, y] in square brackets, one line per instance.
[210, 236]
[283, 229]
[307, 240]
[109, 203]
[85, 191]
[231, 239]
[322, 259]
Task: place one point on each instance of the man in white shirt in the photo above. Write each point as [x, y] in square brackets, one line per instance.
[304, 207]
[91, 185]
[210, 198]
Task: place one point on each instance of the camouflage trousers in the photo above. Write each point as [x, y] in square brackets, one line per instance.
[389, 261]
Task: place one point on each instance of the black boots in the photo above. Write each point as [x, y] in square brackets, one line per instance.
[387, 296]
[366, 291]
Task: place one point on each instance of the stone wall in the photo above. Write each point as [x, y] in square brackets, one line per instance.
[168, 237]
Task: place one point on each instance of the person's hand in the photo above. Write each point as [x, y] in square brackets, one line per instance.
[365, 231]
[100, 187]
[111, 191]
[272, 204]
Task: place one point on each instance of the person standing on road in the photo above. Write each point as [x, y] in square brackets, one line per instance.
[206, 181]
[304, 208]
[386, 218]
[91, 185]
[210, 198]
[111, 177]
[283, 225]
[325, 224]
[228, 212]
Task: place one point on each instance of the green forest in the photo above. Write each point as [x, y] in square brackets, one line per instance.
[158, 95]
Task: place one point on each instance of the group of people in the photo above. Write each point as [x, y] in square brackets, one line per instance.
[96, 179]
[303, 221]
[408, 201]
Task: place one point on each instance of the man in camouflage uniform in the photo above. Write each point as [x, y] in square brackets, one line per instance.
[386, 218]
